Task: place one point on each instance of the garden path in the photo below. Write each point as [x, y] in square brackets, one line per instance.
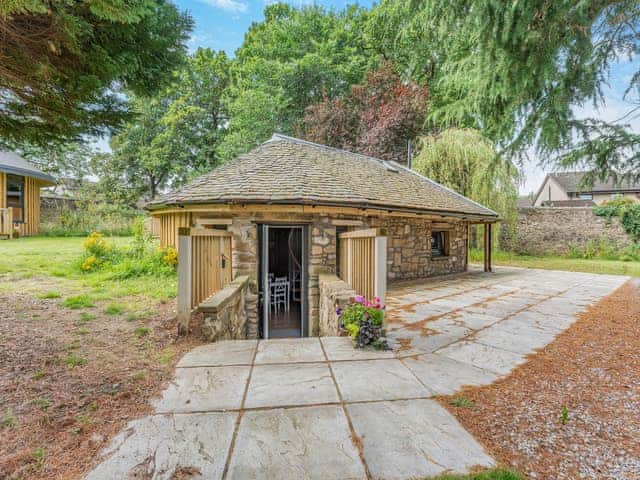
[316, 408]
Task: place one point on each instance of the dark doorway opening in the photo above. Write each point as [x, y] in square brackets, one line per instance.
[283, 281]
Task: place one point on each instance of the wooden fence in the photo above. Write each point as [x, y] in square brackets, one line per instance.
[363, 261]
[6, 222]
[204, 267]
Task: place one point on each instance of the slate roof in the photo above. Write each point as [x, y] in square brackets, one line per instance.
[16, 165]
[570, 181]
[287, 170]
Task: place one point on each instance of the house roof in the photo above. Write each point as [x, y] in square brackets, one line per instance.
[570, 182]
[524, 201]
[16, 165]
[287, 170]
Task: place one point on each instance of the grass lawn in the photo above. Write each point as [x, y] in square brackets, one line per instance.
[82, 354]
[614, 267]
[59, 257]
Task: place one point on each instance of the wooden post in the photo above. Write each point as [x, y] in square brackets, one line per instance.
[489, 248]
[486, 248]
[380, 273]
[380, 268]
[184, 280]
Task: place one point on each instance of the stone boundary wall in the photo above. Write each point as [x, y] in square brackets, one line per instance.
[334, 293]
[545, 230]
[51, 208]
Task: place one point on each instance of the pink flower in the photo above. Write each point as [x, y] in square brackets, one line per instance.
[359, 299]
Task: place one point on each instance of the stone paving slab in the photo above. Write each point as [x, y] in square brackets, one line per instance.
[445, 375]
[155, 446]
[377, 380]
[482, 356]
[414, 439]
[291, 384]
[201, 389]
[515, 342]
[284, 350]
[341, 349]
[227, 352]
[295, 443]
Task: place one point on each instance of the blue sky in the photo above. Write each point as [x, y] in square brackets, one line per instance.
[221, 25]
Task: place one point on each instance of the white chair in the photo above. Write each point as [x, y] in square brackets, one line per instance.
[279, 294]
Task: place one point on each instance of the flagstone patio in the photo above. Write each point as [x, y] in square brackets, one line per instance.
[315, 408]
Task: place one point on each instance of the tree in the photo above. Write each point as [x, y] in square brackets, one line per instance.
[464, 161]
[63, 64]
[293, 59]
[518, 70]
[375, 118]
[175, 134]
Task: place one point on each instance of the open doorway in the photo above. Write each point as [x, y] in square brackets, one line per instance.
[283, 278]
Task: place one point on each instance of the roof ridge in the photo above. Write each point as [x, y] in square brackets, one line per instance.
[301, 141]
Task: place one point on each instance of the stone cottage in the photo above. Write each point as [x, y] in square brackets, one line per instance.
[275, 224]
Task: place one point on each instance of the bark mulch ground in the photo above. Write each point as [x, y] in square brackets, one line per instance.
[69, 382]
[573, 410]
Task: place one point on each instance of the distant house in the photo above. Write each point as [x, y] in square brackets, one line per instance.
[566, 190]
[20, 184]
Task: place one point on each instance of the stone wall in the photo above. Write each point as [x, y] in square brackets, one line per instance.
[409, 248]
[544, 230]
[225, 314]
[408, 254]
[334, 293]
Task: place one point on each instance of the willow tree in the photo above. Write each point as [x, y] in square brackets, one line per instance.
[464, 161]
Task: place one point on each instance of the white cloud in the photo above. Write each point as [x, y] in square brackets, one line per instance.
[228, 5]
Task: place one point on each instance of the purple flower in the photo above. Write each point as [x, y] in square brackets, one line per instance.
[338, 311]
[359, 299]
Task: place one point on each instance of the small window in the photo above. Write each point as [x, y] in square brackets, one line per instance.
[586, 196]
[439, 244]
[15, 196]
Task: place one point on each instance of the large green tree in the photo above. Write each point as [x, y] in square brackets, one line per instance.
[294, 58]
[64, 63]
[176, 134]
[519, 70]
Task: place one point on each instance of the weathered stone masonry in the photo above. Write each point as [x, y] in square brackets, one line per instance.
[408, 254]
[541, 230]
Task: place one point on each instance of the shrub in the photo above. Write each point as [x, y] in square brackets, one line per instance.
[626, 210]
[362, 320]
[139, 258]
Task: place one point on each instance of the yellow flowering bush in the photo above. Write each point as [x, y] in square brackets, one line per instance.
[96, 245]
[90, 263]
[140, 257]
[169, 256]
[97, 251]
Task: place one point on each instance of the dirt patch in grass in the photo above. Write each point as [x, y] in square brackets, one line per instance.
[572, 410]
[71, 379]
